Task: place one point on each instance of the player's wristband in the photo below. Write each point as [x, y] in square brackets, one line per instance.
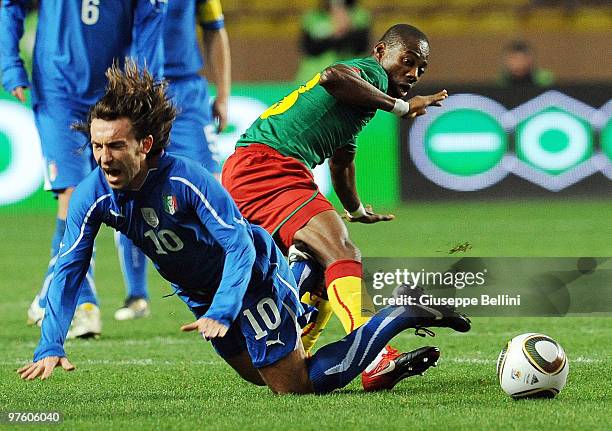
[401, 107]
[358, 213]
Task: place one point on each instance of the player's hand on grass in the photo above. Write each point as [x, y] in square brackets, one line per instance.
[370, 217]
[419, 104]
[209, 328]
[44, 367]
[19, 93]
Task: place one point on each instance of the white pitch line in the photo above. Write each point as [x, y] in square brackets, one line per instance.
[154, 341]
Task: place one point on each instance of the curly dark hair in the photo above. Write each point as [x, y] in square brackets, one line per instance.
[134, 94]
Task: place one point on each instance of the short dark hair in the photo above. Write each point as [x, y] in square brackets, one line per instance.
[521, 46]
[134, 94]
[399, 33]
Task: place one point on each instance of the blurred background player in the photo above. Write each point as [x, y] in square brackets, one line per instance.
[193, 133]
[269, 177]
[336, 30]
[76, 41]
[519, 67]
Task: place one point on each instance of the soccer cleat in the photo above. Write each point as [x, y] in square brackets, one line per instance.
[86, 322]
[36, 313]
[432, 315]
[133, 308]
[393, 367]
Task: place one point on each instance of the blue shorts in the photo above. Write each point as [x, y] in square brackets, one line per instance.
[67, 154]
[193, 132]
[267, 325]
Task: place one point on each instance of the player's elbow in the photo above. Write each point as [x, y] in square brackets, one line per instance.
[246, 251]
[330, 77]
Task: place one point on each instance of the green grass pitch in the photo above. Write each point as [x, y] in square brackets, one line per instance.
[148, 375]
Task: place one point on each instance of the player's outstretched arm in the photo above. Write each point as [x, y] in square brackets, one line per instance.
[44, 367]
[220, 216]
[342, 169]
[346, 85]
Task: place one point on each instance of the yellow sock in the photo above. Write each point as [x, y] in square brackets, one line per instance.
[350, 303]
[312, 331]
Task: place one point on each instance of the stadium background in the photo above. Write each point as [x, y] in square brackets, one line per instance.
[467, 37]
[516, 216]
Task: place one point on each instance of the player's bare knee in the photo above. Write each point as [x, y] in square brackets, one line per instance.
[251, 375]
[253, 378]
[288, 375]
[345, 249]
[349, 249]
[242, 364]
[286, 388]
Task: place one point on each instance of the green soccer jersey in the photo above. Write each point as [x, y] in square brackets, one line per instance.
[310, 124]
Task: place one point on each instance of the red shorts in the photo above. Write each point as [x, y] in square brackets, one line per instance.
[274, 191]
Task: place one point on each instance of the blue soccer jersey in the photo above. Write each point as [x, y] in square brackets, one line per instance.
[186, 223]
[76, 41]
[182, 51]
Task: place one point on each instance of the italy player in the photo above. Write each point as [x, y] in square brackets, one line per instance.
[270, 180]
[193, 132]
[229, 272]
[76, 41]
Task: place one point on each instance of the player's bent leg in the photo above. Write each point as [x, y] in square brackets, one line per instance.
[289, 375]
[241, 363]
[335, 365]
[327, 238]
[233, 349]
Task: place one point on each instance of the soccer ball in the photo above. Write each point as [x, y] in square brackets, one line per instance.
[532, 365]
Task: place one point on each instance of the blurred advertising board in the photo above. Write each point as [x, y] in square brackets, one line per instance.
[510, 143]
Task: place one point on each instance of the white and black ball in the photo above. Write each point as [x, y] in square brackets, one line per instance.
[532, 365]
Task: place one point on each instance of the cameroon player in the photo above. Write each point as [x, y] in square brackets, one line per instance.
[269, 176]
